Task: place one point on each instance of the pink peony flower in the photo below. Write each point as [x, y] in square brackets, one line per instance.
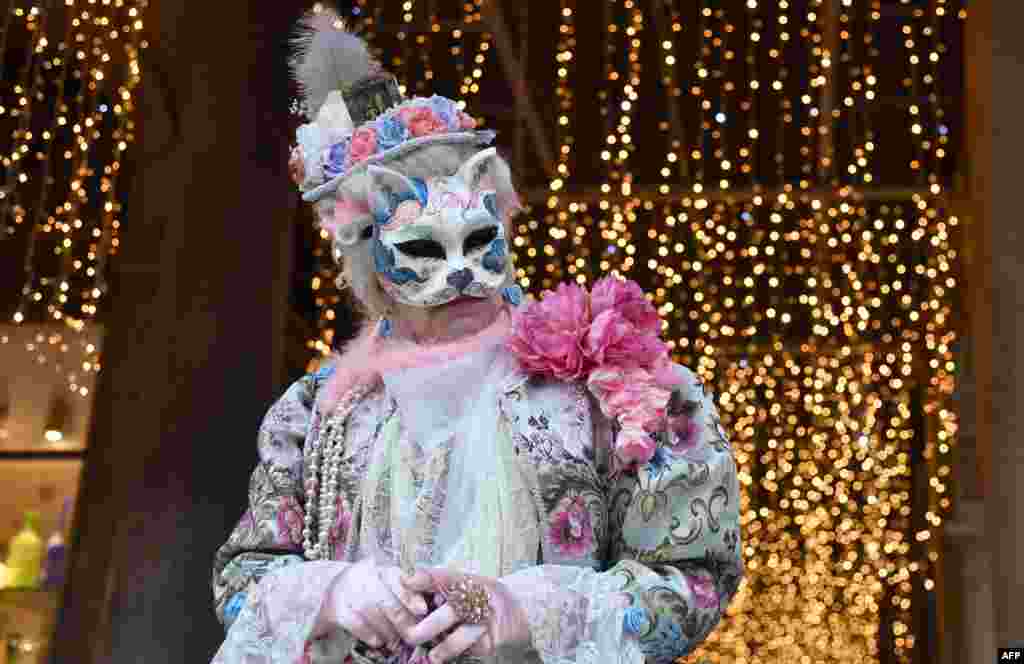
[364, 144]
[614, 339]
[547, 336]
[571, 532]
[664, 373]
[466, 121]
[289, 523]
[421, 121]
[628, 299]
[703, 590]
[628, 393]
[633, 397]
[297, 165]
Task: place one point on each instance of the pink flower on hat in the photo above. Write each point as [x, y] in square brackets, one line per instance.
[421, 121]
[364, 144]
[466, 121]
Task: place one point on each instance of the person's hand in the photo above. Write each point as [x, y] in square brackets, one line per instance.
[506, 631]
[370, 603]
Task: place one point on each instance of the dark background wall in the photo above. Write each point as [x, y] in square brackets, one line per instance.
[196, 334]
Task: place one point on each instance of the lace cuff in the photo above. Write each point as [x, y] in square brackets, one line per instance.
[277, 622]
[575, 614]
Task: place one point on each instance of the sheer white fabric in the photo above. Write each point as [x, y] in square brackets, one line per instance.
[482, 499]
[573, 615]
[279, 617]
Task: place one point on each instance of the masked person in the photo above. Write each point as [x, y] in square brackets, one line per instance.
[475, 478]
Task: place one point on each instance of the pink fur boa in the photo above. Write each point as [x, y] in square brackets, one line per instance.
[369, 355]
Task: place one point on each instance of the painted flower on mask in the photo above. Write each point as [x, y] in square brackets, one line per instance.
[336, 158]
[466, 121]
[364, 144]
[289, 522]
[297, 165]
[548, 335]
[703, 589]
[571, 532]
[406, 212]
[391, 132]
[421, 121]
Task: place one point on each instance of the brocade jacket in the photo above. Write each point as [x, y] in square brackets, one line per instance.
[633, 566]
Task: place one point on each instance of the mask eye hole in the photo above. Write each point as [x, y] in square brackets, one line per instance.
[480, 239]
[422, 249]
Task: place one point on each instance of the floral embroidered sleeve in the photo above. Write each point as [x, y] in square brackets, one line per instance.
[265, 593]
[673, 560]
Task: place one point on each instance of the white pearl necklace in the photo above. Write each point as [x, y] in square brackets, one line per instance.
[323, 463]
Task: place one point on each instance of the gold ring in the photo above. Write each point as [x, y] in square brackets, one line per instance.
[470, 601]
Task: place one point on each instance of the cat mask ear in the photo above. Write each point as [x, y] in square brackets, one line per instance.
[487, 171]
[387, 188]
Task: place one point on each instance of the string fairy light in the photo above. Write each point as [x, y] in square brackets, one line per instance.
[69, 115]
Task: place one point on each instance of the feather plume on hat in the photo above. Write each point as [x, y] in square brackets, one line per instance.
[327, 57]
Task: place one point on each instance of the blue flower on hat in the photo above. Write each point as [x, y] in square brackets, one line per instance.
[336, 158]
[445, 109]
[391, 132]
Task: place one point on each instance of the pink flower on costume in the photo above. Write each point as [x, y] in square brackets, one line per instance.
[684, 434]
[364, 144]
[631, 396]
[297, 165]
[613, 339]
[289, 522]
[703, 590]
[571, 532]
[634, 446]
[548, 335]
[609, 338]
[664, 373]
[628, 299]
[466, 121]
[421, 121]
